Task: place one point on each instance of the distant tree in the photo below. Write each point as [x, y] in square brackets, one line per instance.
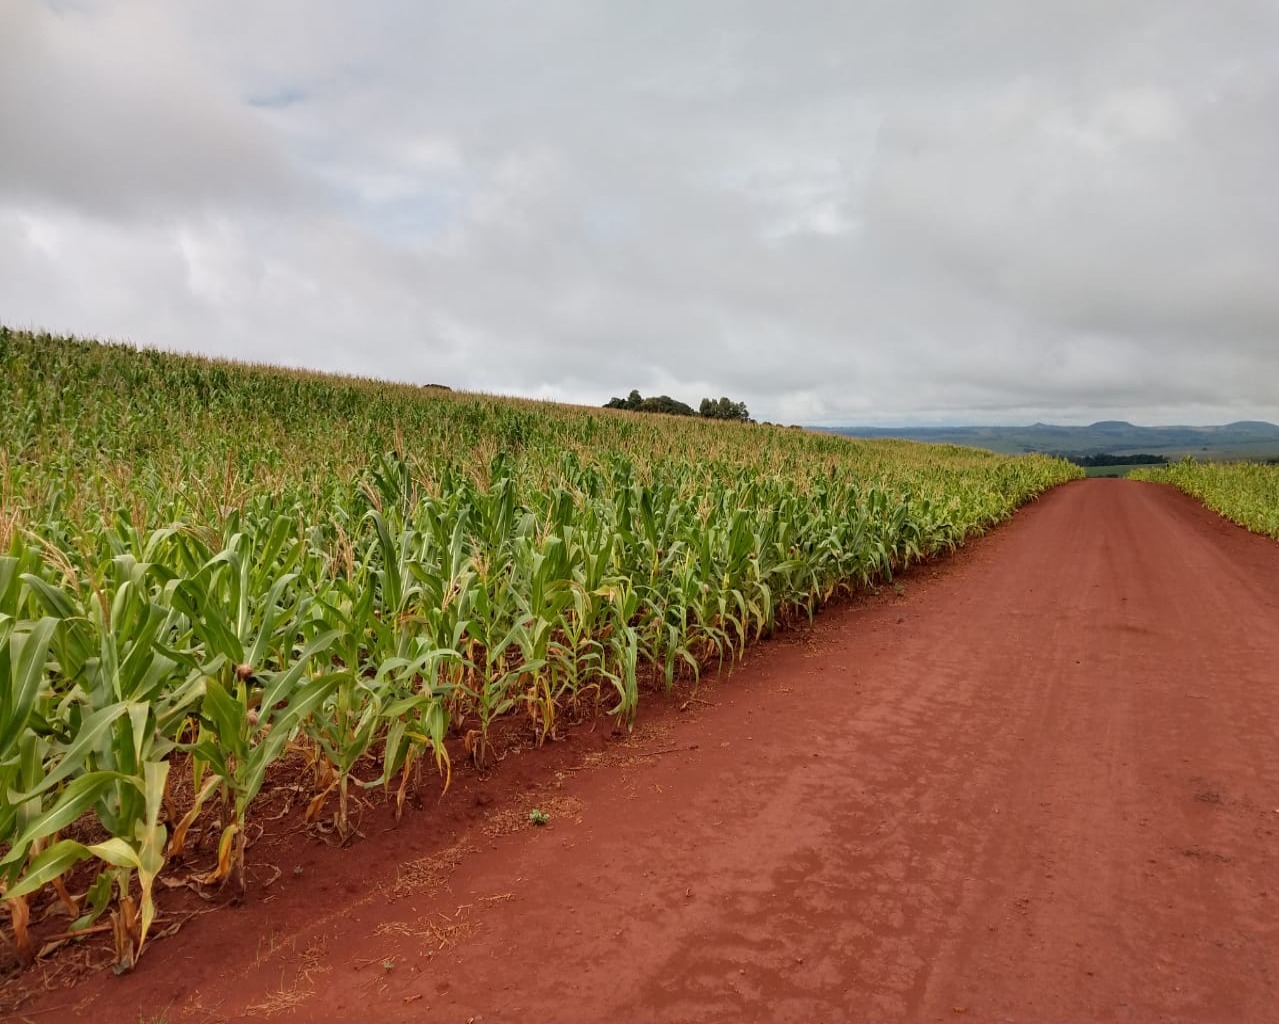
[1108, 459]
[635, 402]
[666, 404]
[724, 409]
[711, 408]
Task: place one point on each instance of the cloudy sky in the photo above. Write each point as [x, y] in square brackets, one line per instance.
[870, 211]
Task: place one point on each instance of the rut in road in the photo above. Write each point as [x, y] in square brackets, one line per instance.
[1042, 785]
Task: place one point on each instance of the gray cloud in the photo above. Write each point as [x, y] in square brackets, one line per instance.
[107, 112]
[870, 212]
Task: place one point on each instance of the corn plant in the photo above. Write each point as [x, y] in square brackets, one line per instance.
[1246, 493]
[219, 566]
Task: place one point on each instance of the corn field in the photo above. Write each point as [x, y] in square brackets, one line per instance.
[207, 569]
[1246, 493]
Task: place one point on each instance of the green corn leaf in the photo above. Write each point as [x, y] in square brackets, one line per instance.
[93, 731]
[78, 796]
[228, 719]
[28, 653]
[52, 863]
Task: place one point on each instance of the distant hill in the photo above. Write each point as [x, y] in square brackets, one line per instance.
[1246, 439]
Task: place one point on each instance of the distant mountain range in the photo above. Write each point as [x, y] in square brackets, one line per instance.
[1246, 439]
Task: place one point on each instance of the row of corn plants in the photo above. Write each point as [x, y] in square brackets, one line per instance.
[1246, 493]
[206, 569]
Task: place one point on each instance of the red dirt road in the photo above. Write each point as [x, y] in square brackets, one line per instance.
[1040, 785]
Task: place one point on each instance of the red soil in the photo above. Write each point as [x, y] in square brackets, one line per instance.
[1039, 785]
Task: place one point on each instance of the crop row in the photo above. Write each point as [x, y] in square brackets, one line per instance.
[205, 568]
[1246, 493]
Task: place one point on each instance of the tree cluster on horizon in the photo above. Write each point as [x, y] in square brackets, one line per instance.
[710, 408]
[1108, 459]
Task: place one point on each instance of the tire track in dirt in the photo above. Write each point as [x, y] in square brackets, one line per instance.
[1143, 888]
[1040, 786]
